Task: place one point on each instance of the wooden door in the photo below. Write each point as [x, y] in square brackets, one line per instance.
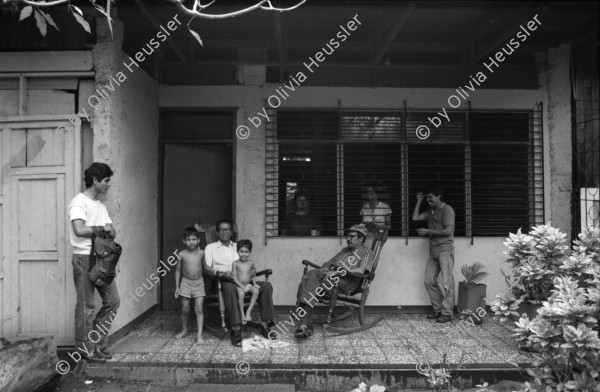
[41, 172]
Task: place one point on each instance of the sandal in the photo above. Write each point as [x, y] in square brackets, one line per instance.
[303, 332]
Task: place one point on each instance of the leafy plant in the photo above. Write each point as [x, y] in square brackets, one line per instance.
[439, 378]
[536, 259]
[374, 388]
[474, 273]
[566, 331]
[506, 305]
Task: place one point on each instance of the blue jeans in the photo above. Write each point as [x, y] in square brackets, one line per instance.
[90, 332]
[440, 261]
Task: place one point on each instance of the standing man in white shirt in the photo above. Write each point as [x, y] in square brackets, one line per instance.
[86, 211]
[220, 256]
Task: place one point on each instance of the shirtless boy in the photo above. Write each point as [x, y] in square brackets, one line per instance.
[191, 285]
[245, 274]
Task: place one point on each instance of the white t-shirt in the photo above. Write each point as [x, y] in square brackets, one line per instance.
[376, 215]
[92, 213]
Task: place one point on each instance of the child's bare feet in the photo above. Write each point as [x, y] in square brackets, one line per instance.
[244, 321]
[248, 315]
[181, 334]
[199, 339]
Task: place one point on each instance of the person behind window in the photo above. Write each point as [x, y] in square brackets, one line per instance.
[301, 222]
[376, 213]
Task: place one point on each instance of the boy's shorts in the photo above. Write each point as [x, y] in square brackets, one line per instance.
[247, 287]
[191, 288]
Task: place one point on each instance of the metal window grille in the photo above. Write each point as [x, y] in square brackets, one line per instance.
[586, 137]
[490, 164]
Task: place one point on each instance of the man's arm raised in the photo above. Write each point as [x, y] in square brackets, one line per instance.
[416, 216]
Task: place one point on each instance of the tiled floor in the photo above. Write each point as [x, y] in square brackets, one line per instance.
[400, 340]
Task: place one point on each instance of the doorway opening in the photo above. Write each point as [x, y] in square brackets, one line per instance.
[197, 179]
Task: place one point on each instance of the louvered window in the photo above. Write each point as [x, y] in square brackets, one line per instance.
[488, 162]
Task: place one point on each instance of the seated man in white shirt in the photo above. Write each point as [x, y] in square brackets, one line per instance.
[220, 256]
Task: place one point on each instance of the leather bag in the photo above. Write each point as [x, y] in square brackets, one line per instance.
[104, 257]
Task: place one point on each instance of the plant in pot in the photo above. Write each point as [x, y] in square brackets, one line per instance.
[471, 293]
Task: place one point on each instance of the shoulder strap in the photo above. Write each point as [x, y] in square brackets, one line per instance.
[92, 254]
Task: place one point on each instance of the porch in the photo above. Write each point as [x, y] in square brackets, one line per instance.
[387, 354]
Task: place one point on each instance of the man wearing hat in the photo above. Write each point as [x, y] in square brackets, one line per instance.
[355, 258]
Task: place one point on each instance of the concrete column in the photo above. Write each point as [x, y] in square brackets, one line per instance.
[106, 107]
[125, 129]
[250, 153]
[558, 84]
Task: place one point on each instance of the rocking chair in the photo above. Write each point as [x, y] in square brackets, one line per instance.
[356, 299]
[216, 300]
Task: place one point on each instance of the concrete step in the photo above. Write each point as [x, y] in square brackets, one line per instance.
[302, 377]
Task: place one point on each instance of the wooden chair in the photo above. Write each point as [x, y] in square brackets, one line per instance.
[216, 300]
[357, 299]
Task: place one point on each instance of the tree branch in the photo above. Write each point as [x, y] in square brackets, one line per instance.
[195, 10]
[37, 3]
[197, 5]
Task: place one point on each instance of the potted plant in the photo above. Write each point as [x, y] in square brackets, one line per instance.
[471, 293]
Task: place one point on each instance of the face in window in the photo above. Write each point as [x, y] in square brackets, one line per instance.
[224, 232]
[371, 194]
[301, 203]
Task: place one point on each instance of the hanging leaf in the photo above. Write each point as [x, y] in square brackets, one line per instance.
[26, 12]
[196, 35]
[40, 23]
[49, 20]
[108, 19]
[105, 13]
[77, 9]
[82, 22]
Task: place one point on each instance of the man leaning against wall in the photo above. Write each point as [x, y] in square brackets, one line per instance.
[86, 211]
[440, 219]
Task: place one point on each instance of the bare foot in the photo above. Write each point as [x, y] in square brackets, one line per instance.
[248, 316]
[181, 334]
[244, 321]
[199, 339]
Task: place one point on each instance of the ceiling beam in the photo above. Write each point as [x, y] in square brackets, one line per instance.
[313, 45]
[156, 23]
[310, 46]
[393, 33]
[328, 64]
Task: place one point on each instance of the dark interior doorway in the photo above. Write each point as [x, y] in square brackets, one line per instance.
[197, 179]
